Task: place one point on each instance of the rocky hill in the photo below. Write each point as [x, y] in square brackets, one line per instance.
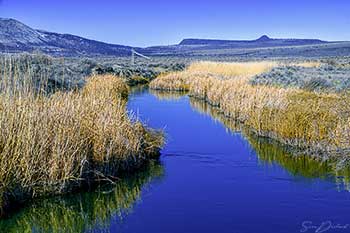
[18, 37]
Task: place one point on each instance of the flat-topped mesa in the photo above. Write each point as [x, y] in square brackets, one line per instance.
[260, 41]
[193, 41]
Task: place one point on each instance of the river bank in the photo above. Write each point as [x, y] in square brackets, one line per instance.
[317, 123]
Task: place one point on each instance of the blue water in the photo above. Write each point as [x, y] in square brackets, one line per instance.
[210, 179]
[215, 182]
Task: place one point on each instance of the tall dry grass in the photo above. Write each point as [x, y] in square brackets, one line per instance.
[230, 69]
[319, 123]
[53, 144]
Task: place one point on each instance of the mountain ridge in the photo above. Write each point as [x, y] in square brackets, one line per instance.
[16, 36]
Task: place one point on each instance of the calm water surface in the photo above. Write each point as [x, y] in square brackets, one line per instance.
[210, 178]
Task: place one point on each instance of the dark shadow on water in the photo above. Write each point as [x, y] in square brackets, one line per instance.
[85, 211]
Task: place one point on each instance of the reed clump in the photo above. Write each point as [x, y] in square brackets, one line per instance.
[57, 143]
[318, 123]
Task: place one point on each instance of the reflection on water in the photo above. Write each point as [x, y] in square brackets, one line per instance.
[84, 211]
[139, 89]
[167, 95]
[205, 108]
[271, 152]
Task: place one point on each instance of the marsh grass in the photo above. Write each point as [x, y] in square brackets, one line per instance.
[318, 123]
[59, 142]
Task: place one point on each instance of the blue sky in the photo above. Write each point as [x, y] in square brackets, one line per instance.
[154, 22]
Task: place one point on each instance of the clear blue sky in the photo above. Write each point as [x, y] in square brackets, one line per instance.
[151, 22]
